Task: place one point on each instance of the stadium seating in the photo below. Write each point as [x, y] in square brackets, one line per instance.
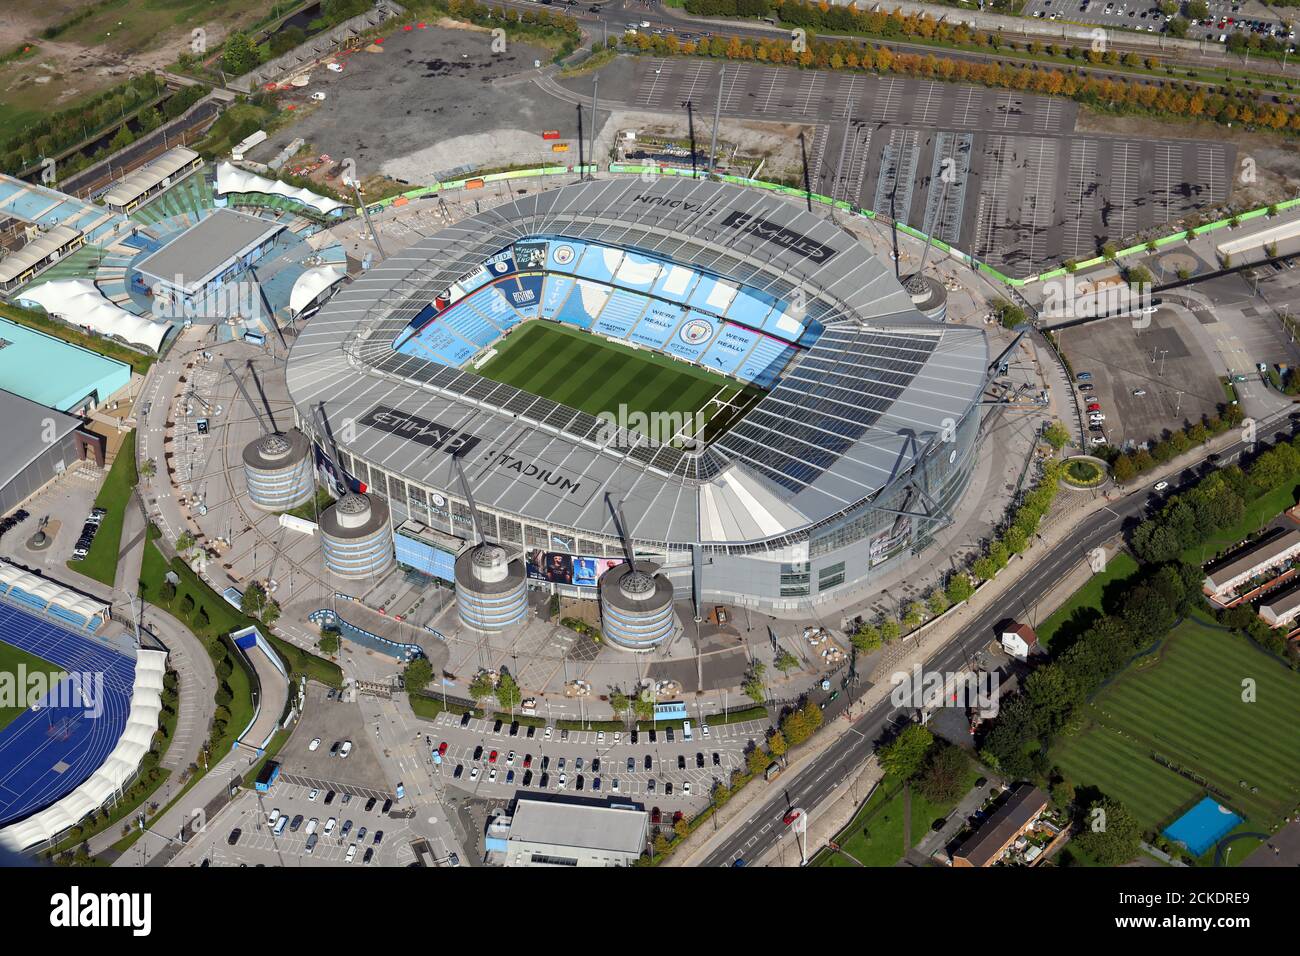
[671, 308]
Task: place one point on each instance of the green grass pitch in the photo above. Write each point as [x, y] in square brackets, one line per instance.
[1188, 707]
[10, 658]
[594, 375]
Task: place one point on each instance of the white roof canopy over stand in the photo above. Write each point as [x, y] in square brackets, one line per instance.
[232, 179]
[311, 284]
[80, 302]
[116, 770]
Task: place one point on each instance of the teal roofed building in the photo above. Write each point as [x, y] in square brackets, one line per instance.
[55, 373]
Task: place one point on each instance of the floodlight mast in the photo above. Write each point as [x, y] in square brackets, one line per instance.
[469, 497]
[268, 423]
[328, 445]
[623, 535]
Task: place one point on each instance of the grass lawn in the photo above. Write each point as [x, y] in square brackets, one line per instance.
[1187, 707]
[594, 375]
[1084, 608]
[113, 497]
[875, 835]
[1258, 513]
[11, 658]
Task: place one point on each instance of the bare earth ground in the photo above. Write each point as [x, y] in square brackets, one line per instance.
[106, 48]
[1276, 161]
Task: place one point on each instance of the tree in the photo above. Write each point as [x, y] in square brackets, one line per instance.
[187, 605]
[757, 761]
[618, 702]
[184, 542]
[508, 695]
[867, 638]
[271, 612]
[785, 661]
[167, 592]
[914, 616]
[329, 642]
[480, 686]
[1109, 832]
[938, 602]
[1056, 435]
[777, 744]
[418, 674]
[889, 630]
[943, 777]
[904, 755]
[253, 599]
[238, 55]
[960, 587]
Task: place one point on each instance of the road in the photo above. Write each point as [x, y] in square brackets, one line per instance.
[816, 782]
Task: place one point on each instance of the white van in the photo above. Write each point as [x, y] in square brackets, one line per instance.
[275, 815]
[312, 824]
[351, 855]
[280, 825]
[686, 730]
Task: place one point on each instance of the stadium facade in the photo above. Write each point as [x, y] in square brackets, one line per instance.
[856, 455]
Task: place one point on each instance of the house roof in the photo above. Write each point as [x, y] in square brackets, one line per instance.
[1026, 632]
[984, 846]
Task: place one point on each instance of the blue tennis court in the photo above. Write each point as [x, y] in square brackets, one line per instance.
[51, 749]
[1202, 826]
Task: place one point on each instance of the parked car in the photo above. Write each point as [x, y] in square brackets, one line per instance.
[460, 769]
[370, 804]
[347, 749]
[235, 834]
[314, 744]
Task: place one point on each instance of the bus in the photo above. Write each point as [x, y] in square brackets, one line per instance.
[266, 779]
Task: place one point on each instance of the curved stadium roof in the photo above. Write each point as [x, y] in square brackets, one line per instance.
[854, 413]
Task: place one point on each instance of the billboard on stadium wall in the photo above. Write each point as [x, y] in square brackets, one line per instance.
[556, 567]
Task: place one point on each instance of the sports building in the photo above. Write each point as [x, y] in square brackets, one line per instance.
[753, 387]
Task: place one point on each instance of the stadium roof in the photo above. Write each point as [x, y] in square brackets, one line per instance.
[23, 433]
[37, 251]
[858, 410]
[199, 254]
[232, 179]
[134, 185]
[80, 302]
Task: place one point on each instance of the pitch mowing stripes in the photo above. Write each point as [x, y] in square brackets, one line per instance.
[1189, 709]
[1121, 769]
[592, 375]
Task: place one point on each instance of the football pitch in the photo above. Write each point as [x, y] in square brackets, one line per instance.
[1211, 708]
[594, 375]
[10, 660]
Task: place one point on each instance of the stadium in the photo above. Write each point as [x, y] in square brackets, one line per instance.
[819, 429]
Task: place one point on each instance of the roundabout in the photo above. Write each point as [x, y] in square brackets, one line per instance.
[1084, 472]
